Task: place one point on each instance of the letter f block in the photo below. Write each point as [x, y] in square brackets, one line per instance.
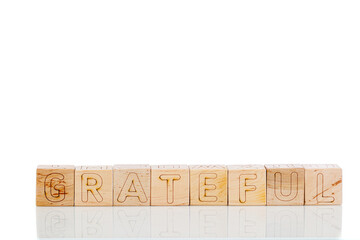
[285, 184]
[93, 186]
[55, 185]
[169, 185]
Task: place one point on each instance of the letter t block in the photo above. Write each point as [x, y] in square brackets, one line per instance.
[93, 186]
[55, 185]
[132, 185]
[247, 185]
[208, 185]
[169, 185]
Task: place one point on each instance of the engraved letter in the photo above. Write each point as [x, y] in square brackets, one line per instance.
[54, 190]
[170, 179]
[132, 188]
[244, 187]
[320, 191]
[291, 183]
[91, 183]
[204, 187]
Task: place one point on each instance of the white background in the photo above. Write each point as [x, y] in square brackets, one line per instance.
[163, 82]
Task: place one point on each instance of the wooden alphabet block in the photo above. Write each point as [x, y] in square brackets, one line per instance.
[131, 185]
[93, 186]
[55, 185]
[208, 185]
[285, 184]
[169, 185]
[323, 184]
[247, 185]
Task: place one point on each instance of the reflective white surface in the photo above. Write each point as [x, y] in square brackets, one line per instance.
[190, 222]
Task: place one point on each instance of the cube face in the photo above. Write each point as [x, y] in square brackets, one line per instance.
[247, 185]
[208, 185]
[285, 184]
[131, 185]
[169, 185]
[323, 184]
[93, 186]
[55, 185]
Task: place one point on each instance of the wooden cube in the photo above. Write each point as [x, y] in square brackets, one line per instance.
[323, 184]
[285, 184]
[131, 185]
[247, 185]
[208, 185]
[169, 185]
[55, 185]
[93, 186]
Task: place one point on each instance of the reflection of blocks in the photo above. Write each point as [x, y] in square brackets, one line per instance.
[247, 222]
[132, 222]
[323, 221]
[247, 185]
[284, 222]
[131, 185]
[93, 186]
[169, 185]
[55, 185]
[170, 222]
[208, 222]
[55, 222]
[208, 185]
[94, 222]
[323, 184]
[285, 184]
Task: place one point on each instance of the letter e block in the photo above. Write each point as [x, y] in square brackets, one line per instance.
[169, 185]
[208, 185]
[55, 185]
[285, 184]
[93, 186]
[131, 185]
[323, 184]
[247, 185]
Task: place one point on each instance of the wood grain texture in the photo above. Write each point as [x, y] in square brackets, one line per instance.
[285, 184]
[246, 185]
[323, 184]
[131, 185]
[169, 185]
[208, 185]
[93, 186]
[55, 185]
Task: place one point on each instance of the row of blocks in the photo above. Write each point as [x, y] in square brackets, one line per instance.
[175, 185]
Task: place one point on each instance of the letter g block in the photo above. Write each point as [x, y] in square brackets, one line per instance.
[55, 185]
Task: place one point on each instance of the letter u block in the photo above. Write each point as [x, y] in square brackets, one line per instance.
[323, 184]
[208, 185]
[247, 185]
[131, 185]
[169, 185]
[55, 185]
[285, 184]
[93, 186]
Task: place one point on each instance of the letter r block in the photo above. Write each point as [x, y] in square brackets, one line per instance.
[323, 184]
[132, 185]
[93, 186]
[208, 185]
[55, 185]
[285, 184]
[247, 185]
[169, 185]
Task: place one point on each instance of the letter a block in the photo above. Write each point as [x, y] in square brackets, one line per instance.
[208, 185]
[93, 185]
[169, 185]
[323, 184]
[285, 184]
[247, 185]
[55, 185]
[131, 185]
